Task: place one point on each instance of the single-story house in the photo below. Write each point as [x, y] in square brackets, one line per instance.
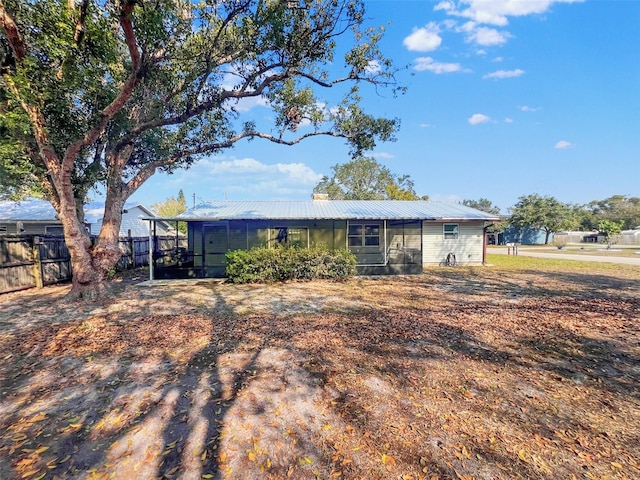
[29, 217]
[134, 223]
[34, 216]
[387, 237]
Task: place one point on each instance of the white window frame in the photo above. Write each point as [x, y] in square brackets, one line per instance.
[451, 235]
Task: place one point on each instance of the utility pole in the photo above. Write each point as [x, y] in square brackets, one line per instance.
[194, 200]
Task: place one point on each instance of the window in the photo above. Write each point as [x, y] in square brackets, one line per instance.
[451, 230]
[53, 230]
[291, 237]
[362, 235]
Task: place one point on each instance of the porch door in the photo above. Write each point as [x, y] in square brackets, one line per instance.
[216, 245]
[405, 247]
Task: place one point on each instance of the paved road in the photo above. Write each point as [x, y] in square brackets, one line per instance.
[541, 253]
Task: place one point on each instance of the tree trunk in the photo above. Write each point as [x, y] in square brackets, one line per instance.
[546, 238]
[92, 263]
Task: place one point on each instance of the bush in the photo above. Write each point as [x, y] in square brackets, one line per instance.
[267, 265]
[559, 241]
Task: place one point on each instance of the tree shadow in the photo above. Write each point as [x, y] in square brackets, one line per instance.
[221, 412]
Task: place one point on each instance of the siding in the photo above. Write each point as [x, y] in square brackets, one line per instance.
[467, 247]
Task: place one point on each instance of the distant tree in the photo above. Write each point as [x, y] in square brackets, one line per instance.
[365, 179]
[546, 213]
[172, 207]
[611, 231]
[483, 205]
[618, 208]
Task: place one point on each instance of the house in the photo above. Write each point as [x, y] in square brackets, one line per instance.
[135, 221]
[29, 217]
[34, 216]
[387, 237]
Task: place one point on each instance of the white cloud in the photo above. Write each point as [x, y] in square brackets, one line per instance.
[429, 64]
[244, 178]
[498, 59]
[505, 73]
[478, 118]
[497, 12]
[488, 37]
[382, 155]
[508, 120]
[563, 144]
[424, 39]
[248, 103]
[296, 172]
[373, 67]
[525, 108]
[426, 125]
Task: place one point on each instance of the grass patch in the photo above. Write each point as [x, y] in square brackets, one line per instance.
[522, 262]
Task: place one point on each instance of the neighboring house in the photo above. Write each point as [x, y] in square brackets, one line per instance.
[38, 217]
[523, 236]
[387, 237]
[513, 234]
[29, 217]
[135, 222]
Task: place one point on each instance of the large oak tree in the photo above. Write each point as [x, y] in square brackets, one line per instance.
[546, 213]
[108, 92]
[364, 178]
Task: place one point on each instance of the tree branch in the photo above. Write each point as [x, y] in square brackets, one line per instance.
[11, 31]
[125, 92]
[149, 169]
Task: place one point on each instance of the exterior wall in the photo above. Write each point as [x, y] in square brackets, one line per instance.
[405, 247]
[43, 227]
[524, 236]
[467, 248]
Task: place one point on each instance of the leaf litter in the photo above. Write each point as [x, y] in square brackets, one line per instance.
[455, 374]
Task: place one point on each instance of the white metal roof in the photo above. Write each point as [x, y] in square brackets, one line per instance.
[334, 209]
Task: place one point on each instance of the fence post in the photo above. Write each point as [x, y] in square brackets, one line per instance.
[37, 264]
[132, 250]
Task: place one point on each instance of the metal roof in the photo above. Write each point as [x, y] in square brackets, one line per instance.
[30, 209]
[334, 210]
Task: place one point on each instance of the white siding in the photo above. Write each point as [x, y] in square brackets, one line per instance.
[467, 247]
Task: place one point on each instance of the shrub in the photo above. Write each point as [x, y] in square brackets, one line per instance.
[559, 241]
[266, 265]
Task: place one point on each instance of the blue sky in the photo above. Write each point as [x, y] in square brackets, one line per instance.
[505, 98]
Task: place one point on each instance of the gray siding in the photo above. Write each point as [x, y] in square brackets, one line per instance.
[467, 248]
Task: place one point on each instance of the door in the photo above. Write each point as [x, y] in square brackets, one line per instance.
[216, 245]
[405, 247]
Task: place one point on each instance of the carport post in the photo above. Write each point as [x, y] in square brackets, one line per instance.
[150, 251]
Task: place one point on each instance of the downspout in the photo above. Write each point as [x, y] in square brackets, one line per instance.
[484, 243]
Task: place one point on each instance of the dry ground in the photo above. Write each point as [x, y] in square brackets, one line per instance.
[467, 373]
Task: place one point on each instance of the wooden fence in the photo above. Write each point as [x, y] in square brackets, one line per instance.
[29, 261]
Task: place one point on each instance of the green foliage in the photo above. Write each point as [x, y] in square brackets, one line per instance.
[172, 207]
[611, 231]
[546, 213]
[483, 205]
[104, 94]
[267, 265]
[618, 208]
[365, 179]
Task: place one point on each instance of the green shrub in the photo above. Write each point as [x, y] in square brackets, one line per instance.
[267, 265]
